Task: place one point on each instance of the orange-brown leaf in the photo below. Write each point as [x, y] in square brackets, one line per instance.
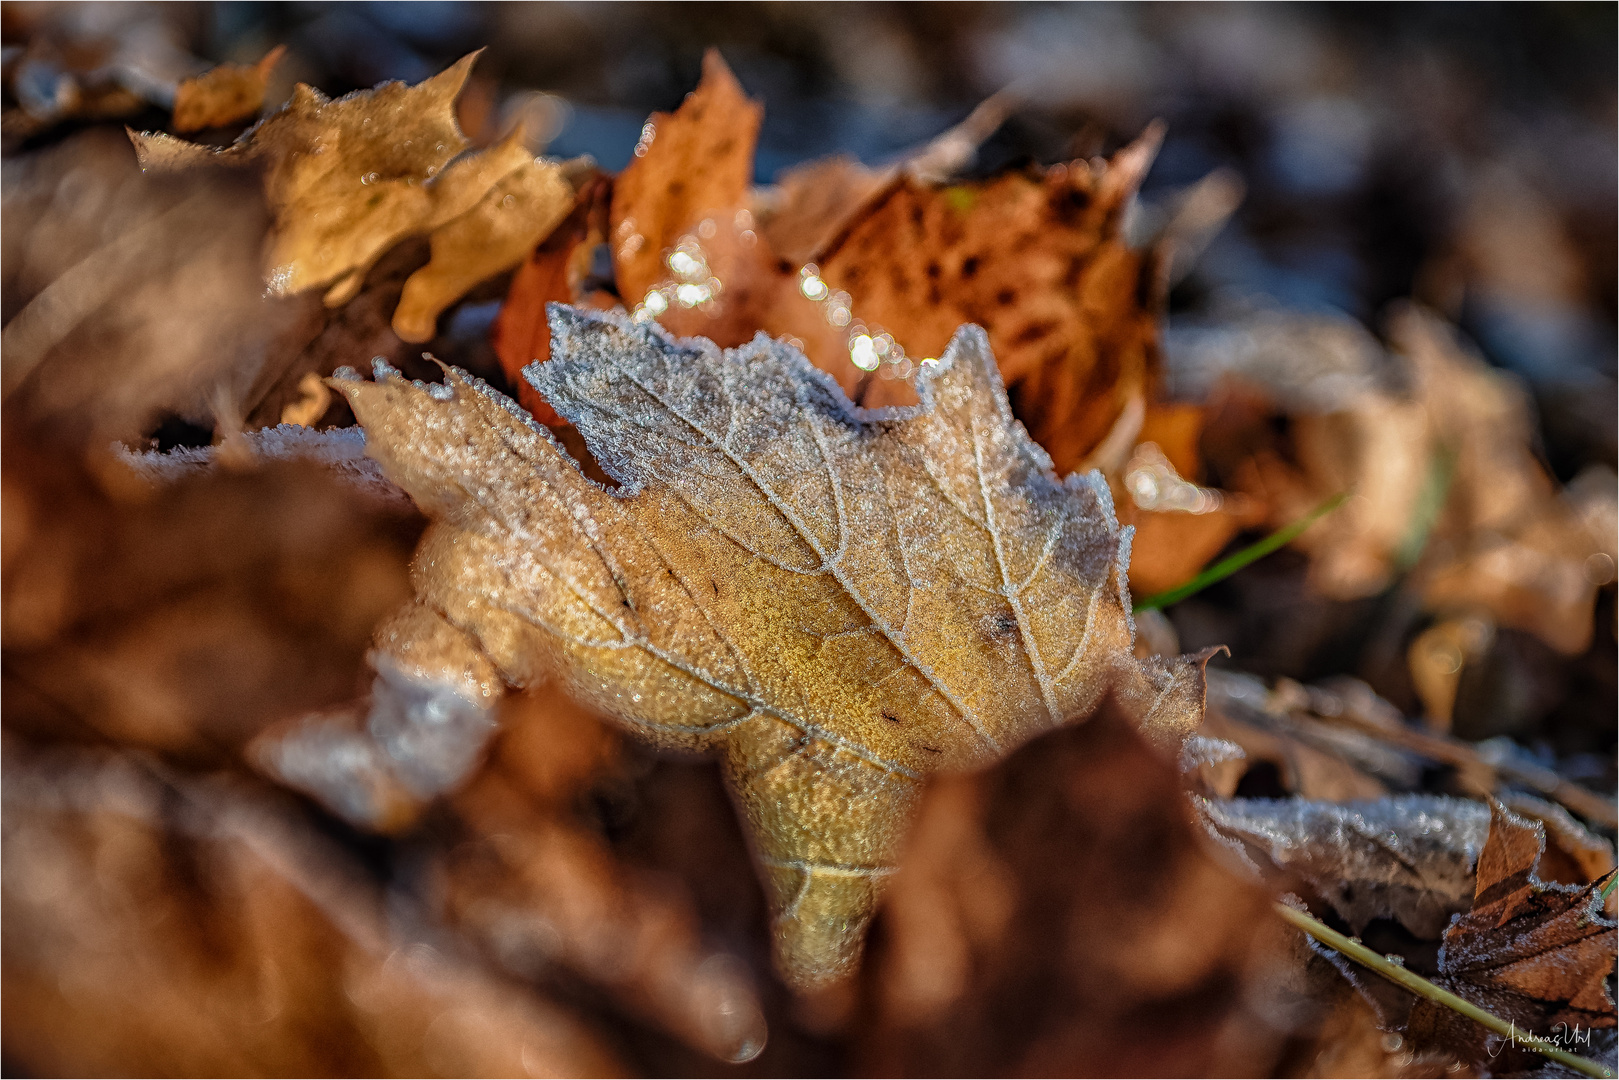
[690, 164]
[551, 274]
[1038, 259]
[1538, 952]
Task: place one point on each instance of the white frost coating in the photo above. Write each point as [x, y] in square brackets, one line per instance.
[340, 449]
[706, 423]
[1407, 857]
[433, 735]
[1096, 483]
[1122, 576]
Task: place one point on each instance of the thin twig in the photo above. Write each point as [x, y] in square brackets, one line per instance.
[1397, 973]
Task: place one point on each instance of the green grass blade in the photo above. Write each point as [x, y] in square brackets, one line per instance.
[1425, 514]
[1232, 563]
[1394, 970]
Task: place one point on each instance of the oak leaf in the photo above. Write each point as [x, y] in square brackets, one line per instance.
[838, 601]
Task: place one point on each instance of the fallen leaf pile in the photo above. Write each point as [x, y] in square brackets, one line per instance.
[1448, 492]
[726, 657]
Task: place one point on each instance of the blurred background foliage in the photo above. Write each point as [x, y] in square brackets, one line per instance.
[1461, 156]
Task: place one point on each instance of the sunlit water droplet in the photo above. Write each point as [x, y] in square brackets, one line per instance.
[690, 295]
[862, 353]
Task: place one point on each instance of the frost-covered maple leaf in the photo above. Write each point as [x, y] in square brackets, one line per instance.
[838, 602]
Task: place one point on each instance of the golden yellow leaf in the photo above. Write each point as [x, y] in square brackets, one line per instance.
[514, 215]
[837, 601]
[348, 179]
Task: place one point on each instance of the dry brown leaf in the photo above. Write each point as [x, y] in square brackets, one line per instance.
[1407, 857]
[228, 94]
[185, 615]
[191, 928]
[1050, 908]
[841, 602]
[1574, 855]
[348, 179]
[1180, 527]
[684, 246]
[1039, 260]
[1532, 951]
[1308, 756]
[812, 203]
[690, 164]
[1480, 769]
[152, 303]
[1507, 543]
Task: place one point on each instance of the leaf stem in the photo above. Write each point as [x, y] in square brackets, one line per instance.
[1232, 563]
[1397, 973]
